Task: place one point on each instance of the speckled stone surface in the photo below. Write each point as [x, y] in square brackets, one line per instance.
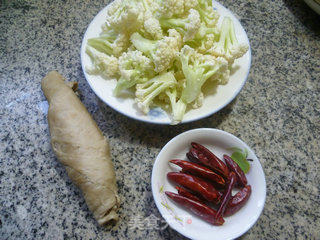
[277, 113]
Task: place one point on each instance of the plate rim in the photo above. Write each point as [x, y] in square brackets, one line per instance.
[314, 5]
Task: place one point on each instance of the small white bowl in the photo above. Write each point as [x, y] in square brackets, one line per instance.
[212, 103]
[183, 221]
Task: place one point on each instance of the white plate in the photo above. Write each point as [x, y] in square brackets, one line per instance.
[127, 106]
[314, 5]
[190, 225]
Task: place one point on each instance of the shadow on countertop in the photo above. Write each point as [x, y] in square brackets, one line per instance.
[304, 14]
[155, 135]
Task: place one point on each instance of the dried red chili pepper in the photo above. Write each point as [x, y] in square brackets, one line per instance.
[199, 186]
[183, 192]
[193, 156]
[234, 167]
[206, 213]
[227, 194]
[196, 156]
[238, 201]
[206, 157]
[199, 171]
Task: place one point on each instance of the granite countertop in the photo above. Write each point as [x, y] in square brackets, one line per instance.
[277, 113]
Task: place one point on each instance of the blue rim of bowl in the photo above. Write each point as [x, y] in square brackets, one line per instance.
[215, 130]
[83, 44]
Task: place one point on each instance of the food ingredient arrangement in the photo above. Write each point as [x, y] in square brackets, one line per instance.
[205, 185]
[165, 51]
[81, 147]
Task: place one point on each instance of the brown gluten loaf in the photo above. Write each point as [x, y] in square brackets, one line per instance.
[81, 147]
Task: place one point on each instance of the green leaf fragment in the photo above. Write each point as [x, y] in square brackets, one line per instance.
[240, 157]
[166, 206]
[235, 149]
[161, 189]
[246, 153]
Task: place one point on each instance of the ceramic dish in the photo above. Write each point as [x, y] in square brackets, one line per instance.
[183, 221]
[314, 4]
[213, 102]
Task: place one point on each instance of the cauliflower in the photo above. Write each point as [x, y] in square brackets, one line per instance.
[152, 26]
[146, 92]
[206, 43]
[151, 6]
[197, 68]
[134, 68]
[203, 44]
[165, 51]
[178, 106]
[151, 23]
[171, 8]
[172, 33]
[189, 4]
[110, 43]
[198, 101]
[125, 16]
[103, 64]
[188, 27]
[222, 76]
[161, 51]
[228, 45]
[204, 31]
[177, 70]
[207, 14]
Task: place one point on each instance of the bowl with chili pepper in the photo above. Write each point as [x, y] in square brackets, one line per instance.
[208, 184]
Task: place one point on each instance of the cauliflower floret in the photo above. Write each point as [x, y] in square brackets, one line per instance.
[237, 51]
[223, 75]
[151, 6]
[134, 68]
[189, 4]
[176, 35]
[206, 43]
[198, 101]
[147, 91]
[125, 16]
[151, 23]
[152, 26]
[103, 64]
[228, 45]
[178, 106]
[171, 8]
[204, 31]
[110, 43]
[188, 27]
[207, 14]
[177, 71]
[197, 69]
[133, 62]
[166, 51]
[161, 51]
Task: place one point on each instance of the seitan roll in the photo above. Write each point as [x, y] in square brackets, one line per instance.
[81, 147]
